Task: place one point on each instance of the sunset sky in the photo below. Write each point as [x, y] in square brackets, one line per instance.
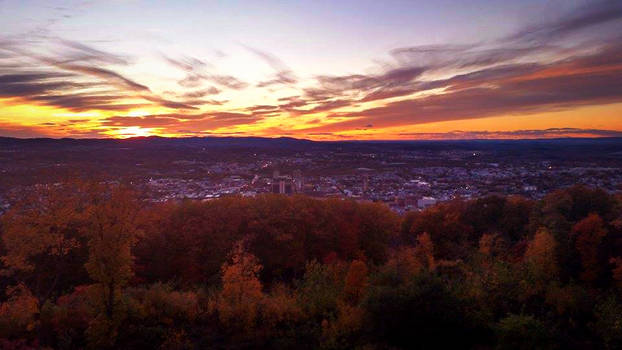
[323, 70]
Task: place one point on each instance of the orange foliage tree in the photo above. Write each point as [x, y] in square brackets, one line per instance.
[18, 315]
[541, 262]
[541, 252]
[356, 282]
[239, 301]
[44, 247]
[111, 232]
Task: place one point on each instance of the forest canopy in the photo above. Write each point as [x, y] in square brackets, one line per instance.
[88, 265]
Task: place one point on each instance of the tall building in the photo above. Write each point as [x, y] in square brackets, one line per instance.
[282, 185]
[298, 180]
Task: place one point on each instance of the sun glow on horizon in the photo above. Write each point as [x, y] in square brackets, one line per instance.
[132, 131]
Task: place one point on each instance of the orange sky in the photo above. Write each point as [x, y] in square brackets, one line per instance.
[560, 76]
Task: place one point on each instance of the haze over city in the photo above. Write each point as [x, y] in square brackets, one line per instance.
[320, 70]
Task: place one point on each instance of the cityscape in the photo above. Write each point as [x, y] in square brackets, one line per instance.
[407, 176]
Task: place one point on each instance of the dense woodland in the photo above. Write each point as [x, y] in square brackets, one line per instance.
[91, 266]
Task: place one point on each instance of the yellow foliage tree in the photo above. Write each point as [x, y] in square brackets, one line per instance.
[279, 308]
[341, 332]
[541, 251]
[239, 301]
[111, 233]
[541, 260]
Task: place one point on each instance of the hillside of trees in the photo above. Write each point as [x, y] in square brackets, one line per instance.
[86, 265]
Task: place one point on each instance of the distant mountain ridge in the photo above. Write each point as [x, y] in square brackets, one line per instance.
[598, 146]
[238, 139]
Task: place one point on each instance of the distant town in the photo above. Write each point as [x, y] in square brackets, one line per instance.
[406, 176]
[404, 182]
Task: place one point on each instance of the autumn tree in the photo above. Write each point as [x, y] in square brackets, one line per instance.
[424, 251]
[514, 220]
[111, 232]
[560, 210]
[541, 252]
[356, 282]
[447, 226]
[486, 243]
[541, 262]
[590, 233]
[239, 301]
[402, 265]
[379, 227]
[188, 242]
[345, 330]
[276, 225]
[484, 214]
[18, 314]
[44, 246]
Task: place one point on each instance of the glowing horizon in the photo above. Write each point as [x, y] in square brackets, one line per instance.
[314, 70]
